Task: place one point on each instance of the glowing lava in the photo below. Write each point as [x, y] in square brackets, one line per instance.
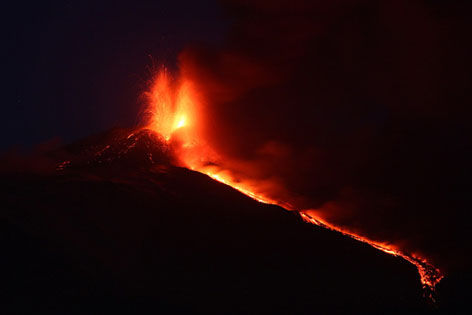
[169, 111]
[429, 275]
[173, 109]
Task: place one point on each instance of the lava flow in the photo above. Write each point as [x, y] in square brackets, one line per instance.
[172, 113]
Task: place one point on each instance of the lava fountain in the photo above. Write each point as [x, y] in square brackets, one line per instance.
[173, 109]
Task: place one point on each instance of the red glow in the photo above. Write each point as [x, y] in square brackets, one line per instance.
[174, 110]
[170, 106]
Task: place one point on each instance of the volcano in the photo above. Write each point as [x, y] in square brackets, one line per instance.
[114, 226]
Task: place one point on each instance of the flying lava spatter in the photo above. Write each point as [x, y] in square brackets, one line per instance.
[172, 112]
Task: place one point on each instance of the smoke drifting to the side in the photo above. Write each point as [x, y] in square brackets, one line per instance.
[340, 108]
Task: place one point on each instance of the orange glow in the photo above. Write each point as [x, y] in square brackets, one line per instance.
[173, 109]
[169, 111]
[180, 122]
[429, 275]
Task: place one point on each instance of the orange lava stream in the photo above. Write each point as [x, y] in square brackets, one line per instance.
[173, 114]
[430, 276]
[237, 187]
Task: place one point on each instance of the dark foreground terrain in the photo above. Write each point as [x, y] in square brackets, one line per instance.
[108, 225]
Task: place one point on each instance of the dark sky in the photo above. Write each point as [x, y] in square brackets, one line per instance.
[78, 67]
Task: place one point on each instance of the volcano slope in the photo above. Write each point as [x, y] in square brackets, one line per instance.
[108, 224]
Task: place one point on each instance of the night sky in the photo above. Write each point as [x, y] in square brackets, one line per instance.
[78, 67]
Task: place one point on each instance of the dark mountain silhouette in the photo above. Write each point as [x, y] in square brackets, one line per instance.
[117, 228]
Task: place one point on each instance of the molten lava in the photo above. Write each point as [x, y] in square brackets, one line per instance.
[172, 113]
[169, 111]
[429, 275]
